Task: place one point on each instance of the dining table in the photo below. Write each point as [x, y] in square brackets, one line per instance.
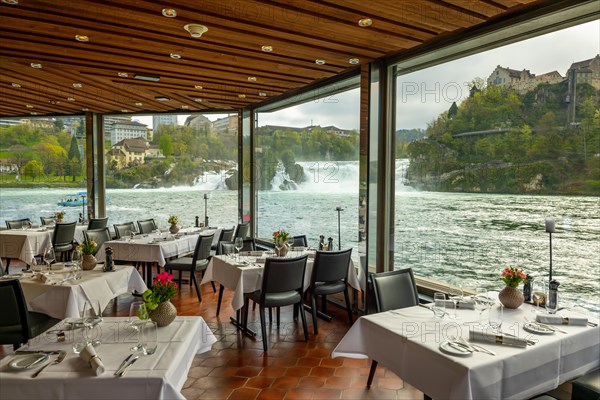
[423, 351]
[59, 294]
[157, 376]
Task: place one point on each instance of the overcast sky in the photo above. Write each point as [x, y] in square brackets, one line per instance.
[423, 95]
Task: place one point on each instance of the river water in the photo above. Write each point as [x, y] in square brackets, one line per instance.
[458, 238]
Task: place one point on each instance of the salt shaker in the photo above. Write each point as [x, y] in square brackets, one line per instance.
[197, 221]
[108, 265]
[330, 244]
[553, 295]
[527, 288]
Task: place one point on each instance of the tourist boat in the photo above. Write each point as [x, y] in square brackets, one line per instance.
[74, 200]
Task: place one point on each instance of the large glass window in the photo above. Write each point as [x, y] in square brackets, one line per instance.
[307, 165]
[488, 147]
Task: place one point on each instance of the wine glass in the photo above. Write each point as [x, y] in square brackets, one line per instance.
[439, 305]
[138, 315]
[90, 316]
[290, 242]
[496, 315]
[77, 259]
[455, 295]
[49, 256]
[538, 294]
[482, 303]
[238, 244]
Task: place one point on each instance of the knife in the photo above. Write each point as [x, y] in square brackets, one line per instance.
[37, 360]
[124, 369]
[37, 352]
[125, 361]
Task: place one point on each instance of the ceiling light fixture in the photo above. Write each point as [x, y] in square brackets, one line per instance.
[36, 65]
[162, 98]
[70, 99]
[251, 79]
[169, 12]
[139, 104]
[82, 38]
[198, 100]
[184, 107]
[123, 74]
[11, 2]
[33, 113]
[262, 94]
[318, 61]
[84, 109]
[146, 78]
[175, 56]
[267, 49]
[198, 87]
[17, 85]
[242, 96]
[54, 101]
[195, 30]
[28, 106]
[353, 61]
[77, 85]
[124, 110]
[365, 22]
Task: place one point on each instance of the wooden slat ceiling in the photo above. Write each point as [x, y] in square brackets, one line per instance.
[223, 70]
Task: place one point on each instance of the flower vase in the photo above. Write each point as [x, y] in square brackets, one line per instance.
[164, 314]
[282, 252]
[173, 229]
[511, 297]
[88, 262]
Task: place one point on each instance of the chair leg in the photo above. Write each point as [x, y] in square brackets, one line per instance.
[7, 264]
[313, 304]
[348, 306]
[263, 327]
[270, 314]
[179, 279]
[193, 277]
[221, 288]
[371, 373]
[278, 315]
[324, 304]
[304, 327]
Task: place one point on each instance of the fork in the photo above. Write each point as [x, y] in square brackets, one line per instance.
[61, 356]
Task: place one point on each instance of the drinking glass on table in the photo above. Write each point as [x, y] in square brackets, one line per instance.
[91, 315]
[290, 243]
[456, 295]
[439, 304]
[482, 303]
[49, 256]
[149, 337]
[77, 259]
[538, 294]
[496, 315]
[138, 315]
[238, 243]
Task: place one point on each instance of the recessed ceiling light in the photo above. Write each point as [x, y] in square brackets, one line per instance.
[84, 109]
[28, 106]
[251, 79]
[242, 96]
[17, 85]
[353, 61]
[267, 49]
[146, 78]
[33, 113]
[82, 38]
[318, 61]
[175, 56]
[123, 74]
[124, 110]
[195, 30]
[198, 100]
[11, 2]
[36, 65]
[70, 99]
[139, 104]
[162, 98]
[184, 107]
[169, 12]
[262, 94]
[77, 85]
[364, 22]
[198, 87]
[54, 101]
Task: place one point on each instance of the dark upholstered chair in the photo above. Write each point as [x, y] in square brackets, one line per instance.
[198, 262]
[587, 386]
[124, 230]
[2, 271]
[224, 248]
[97, 235]
[242, 230]
[282, 285]
[98, 223]
[329, 276]
[63, 238]
[300, 241]
[18, 223]
[17, 325]
[393, 290]
[147, 225]
[47, 220]
[249, 245]
[225, 236]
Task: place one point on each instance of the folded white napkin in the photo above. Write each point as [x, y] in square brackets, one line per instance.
[462, 305]
[251, 253]
[89, 356]
[48, 279]
[479, 335]
[558, 320]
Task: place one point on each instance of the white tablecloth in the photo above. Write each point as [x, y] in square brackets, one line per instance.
[248, 278]
[67, 299]
[407, 342]
[146, 248]
[157, 376]
[24, 244]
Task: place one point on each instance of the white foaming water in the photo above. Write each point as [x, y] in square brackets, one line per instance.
[330, 177]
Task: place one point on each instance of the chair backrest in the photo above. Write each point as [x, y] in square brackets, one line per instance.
[124, 230]
[395, 289]
[226, 235]
[202, 250]
[147, 225]
[331, 266]
[283, 275]
[225, 248]
[64, 233]
[14, 325]
[47, 220]
[249, 245]
[97, 235]
[242, 230]
[98, 223]
[300, 241]
[18, 223]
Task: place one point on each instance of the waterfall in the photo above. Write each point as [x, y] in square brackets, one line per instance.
[401, 176]
[212, 180]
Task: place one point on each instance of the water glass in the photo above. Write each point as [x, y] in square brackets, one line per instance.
[149, 337]
[238, 244]
[496, 315]
[439, 305]
[551, 306]
[49, 256]
[138, 315]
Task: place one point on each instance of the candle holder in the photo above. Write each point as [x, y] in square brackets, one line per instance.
[339, 209]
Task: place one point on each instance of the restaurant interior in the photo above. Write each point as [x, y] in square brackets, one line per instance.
[231, 337]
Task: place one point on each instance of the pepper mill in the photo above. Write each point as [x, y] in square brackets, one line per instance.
[321, 242]
[553, 296]
[108, 265]
[330, 244]
[527, 288]
[197, 221]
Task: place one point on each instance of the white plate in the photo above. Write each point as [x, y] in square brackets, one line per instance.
[455, 349]
[22, 362]
[532, 327]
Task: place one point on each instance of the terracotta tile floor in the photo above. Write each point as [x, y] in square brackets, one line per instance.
[237, 367]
